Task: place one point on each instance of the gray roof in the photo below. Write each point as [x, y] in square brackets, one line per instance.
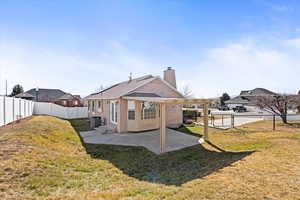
[257, 92]
[238, 100]
[24, 95]
[50, 95]
[249, 96]
[142, 94]
[125, 88]
[66, 97]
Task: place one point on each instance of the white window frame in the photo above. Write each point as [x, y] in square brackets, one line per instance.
[131, 109]
[143, 114]
[93, 106]
[113, 107]
[99, 108]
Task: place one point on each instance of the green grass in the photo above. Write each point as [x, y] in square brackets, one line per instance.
[43, 158]
[249, 145]
[80, 124]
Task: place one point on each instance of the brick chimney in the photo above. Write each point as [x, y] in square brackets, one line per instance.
[169, 76]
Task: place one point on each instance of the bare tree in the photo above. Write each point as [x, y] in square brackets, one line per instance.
[278, 104]
[187, 92]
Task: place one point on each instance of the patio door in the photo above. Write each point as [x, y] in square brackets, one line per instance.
[114, 112]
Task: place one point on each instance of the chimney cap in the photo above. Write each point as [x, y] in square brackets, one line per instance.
[130, 77]
[169, 68]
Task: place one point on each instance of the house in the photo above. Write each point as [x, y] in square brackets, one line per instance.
[247, 97]
[69, 100]
[141, 104]
[52, 96]
[122, 109]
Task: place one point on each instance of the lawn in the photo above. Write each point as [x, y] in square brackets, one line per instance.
[43, 158]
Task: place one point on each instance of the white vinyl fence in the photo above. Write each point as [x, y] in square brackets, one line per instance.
[12, 109]
[41, 108]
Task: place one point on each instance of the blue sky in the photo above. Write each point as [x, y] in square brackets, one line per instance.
[215, 46]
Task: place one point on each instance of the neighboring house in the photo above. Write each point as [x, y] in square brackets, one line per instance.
[69, 100]
[123, 115]
[52, 96]
[215, 102]
[26, 96]
[247, 97]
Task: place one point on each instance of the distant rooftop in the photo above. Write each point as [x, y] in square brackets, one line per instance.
[257, 92]
[43, 94]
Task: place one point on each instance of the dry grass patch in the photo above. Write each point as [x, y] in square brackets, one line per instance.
[43, 158]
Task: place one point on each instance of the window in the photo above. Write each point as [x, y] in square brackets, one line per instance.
[64, 102]
[148, 110]
[113, 111]
[99, 106]
[131, 110]
[76, 102]
[93, 106]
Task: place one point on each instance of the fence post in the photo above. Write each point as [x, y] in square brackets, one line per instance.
[24, 108]
[232, 121]
[273, 122]
[4, 111]
[13, 108]
[222, 120]
[19, 109]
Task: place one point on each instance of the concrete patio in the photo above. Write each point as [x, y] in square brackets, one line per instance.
[175, 140]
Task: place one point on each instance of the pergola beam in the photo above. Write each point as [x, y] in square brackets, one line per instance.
[163, 102]
[205, 111]
[162, 127]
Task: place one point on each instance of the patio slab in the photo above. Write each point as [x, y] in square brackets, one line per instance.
[175, 140]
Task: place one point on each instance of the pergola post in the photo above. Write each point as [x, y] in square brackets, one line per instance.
[162, 127]
[205, 110]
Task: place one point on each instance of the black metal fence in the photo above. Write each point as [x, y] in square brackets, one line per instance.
[232, 120]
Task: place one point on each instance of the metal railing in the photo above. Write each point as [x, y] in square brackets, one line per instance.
[232, 120]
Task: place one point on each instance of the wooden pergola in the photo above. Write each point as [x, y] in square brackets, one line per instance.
[179, 101]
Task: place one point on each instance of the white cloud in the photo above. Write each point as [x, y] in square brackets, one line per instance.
[246, 65]
[294, 43]
[281, 8]
[71, 72]
[230, 68]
